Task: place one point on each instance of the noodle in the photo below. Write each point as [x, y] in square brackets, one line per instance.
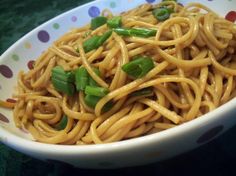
[193, 52]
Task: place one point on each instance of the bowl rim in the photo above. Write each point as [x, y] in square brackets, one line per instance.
[23, 144]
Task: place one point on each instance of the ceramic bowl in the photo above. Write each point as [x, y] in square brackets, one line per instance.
[132, 152]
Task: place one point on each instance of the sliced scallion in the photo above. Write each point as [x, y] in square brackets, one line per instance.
[96, 91]
[139, 67]
[98, 21]
[143, 92]
[161, 14]
[139, 32]
[62, 86]
[81, 78]
[114, 22]
[59, 73]
[62, 124]
[91, 100]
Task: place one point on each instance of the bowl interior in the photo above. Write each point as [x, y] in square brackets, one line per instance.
[22, 54]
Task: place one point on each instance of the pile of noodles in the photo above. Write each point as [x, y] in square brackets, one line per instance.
[194, 73]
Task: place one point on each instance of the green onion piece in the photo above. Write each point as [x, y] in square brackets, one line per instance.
[138, 67]
[92, 82]
[114, 22]
[91, 100]
[103, 38]
[91, 43]
[81, 78]
[140, 32]
[171, 10]
[161, 14]
[62, 124]
[142, 92]
[169, 0]
[97, 22]
[63, 86]
[59, 73]
[96, 91]
[95, 41]
[122, 31]
[107, 106]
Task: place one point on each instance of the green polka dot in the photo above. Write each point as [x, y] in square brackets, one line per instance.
[112, 4]
[15, 57]
[56, 26]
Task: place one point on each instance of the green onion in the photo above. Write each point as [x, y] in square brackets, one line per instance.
[81, 78]
[92, 82]
[63, 86]
[139, 67]
[63, 80]
[103, 38]
[91, 100]
[122, 31]
[95, 41]
[142, 32]
[91, 43]
[96, 91]
[114, 22]
[161, 14]
[59, 73]
[107, 106]
[142, 92]
[62, 124]
[97, 22]
[139, 32]
[169, 0]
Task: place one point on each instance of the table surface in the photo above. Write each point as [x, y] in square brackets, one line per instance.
[18, 18]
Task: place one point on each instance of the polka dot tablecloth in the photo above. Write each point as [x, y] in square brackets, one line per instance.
[27, 15]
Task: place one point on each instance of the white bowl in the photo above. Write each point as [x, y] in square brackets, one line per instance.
[132, 152]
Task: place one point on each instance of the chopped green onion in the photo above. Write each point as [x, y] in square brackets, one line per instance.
[91, 100]
[122, 31]
[171, 10]
[161, 14]
[81, 78]
[92, 82]
[95, 41]
[107, 106]
[63, 80]
[91, 43]
[142, 32]
[62, 124]
[97, 22]
[63, 86]
[96, 91]
[59, 73]
[142, 92]
[139, 32]
[114, 22]
[139, 67]
[103, 38]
